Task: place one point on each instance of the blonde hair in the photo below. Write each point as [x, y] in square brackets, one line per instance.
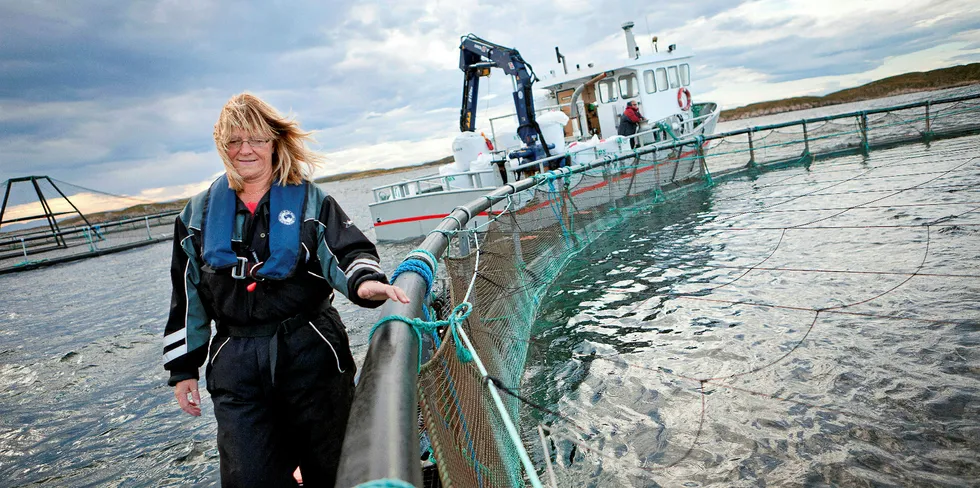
[292, 161]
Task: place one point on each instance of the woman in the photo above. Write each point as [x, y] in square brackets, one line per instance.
[260, 253]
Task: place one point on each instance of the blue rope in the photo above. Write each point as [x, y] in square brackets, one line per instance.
[425, 264]
[456, 318]
[418, 267]
[419, 262]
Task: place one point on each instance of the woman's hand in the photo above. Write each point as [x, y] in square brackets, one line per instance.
[376, 290]
[192, 405]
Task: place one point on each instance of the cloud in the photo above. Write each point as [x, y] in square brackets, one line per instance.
[122, 97]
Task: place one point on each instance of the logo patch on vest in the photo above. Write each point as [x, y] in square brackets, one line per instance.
[287, 217]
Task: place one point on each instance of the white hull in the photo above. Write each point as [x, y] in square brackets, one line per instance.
[407, 217]
[415, 216]
[623, 179]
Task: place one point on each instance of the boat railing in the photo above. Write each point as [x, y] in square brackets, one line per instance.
[483, 178]
[699, 125]
[512, 115]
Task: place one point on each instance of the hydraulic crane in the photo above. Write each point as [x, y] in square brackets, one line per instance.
[476, 57]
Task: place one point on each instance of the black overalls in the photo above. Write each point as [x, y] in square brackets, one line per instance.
[279, 367]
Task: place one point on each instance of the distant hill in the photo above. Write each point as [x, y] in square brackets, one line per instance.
[382, 171]
[127, 213]
[894, 85]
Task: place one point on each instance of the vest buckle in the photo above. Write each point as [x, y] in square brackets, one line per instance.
[240, 271]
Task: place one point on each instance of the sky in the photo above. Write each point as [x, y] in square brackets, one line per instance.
[122, 96]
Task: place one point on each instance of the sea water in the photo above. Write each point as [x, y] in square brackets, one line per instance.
[861, 400]
[815, 325]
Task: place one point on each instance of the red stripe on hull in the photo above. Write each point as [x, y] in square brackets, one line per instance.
[604, 183]
[422, 217]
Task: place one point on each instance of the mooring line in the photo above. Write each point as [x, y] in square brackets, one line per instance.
[827, 209]
[842, 271]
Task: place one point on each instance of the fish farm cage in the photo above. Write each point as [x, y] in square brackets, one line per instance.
[461, 361]
[53, 230]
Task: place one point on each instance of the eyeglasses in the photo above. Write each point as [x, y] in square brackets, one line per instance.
[252, 142]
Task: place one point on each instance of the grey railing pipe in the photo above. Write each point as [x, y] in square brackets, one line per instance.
[844, 115]
[382, 438]
[40, 235]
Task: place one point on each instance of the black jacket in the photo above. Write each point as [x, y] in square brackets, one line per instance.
[335, 255]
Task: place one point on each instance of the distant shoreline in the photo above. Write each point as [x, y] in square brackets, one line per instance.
[355, 175]
[895, 85]
[936, 79]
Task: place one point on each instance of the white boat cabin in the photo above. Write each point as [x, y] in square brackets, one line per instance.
[659, 82]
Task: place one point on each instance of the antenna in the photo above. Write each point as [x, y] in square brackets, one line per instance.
[561, 59]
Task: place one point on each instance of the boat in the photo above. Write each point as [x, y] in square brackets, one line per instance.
[577, 124]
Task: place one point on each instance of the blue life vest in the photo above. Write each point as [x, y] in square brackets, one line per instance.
[286, 205]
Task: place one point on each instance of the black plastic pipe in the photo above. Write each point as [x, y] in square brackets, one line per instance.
[382, 432]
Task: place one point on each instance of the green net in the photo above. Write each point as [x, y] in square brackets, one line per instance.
[520, 253]
[511, 262]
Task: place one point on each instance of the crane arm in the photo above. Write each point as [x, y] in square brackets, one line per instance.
[476, 57]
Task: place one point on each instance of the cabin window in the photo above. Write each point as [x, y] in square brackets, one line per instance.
[672, 73]
[649, 82]
[607, 91]
[685, 75]
[661, 79]
[628, 87]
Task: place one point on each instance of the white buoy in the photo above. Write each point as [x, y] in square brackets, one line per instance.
[466, 147]
[553, 129]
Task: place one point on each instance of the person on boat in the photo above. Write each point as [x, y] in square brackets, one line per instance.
[260, 254]
[630, 122]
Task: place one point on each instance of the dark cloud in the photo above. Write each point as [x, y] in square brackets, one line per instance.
[123, 96]
[794, 57]
[150, 47]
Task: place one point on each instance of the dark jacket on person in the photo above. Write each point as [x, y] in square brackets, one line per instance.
[630, 121]
[333, 255]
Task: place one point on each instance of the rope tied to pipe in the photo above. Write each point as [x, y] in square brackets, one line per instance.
[424, 264]
[420, 326]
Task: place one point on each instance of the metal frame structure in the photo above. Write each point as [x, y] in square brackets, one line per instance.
[48, 214]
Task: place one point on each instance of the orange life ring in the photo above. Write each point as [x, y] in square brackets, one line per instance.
[684, 98]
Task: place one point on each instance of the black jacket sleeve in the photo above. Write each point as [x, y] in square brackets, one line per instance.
[188, 328]
[347, 256]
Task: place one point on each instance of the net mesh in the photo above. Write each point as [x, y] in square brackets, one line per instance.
[521, 252]
[515, 257]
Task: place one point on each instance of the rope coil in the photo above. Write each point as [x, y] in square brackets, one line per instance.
[424, 264]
